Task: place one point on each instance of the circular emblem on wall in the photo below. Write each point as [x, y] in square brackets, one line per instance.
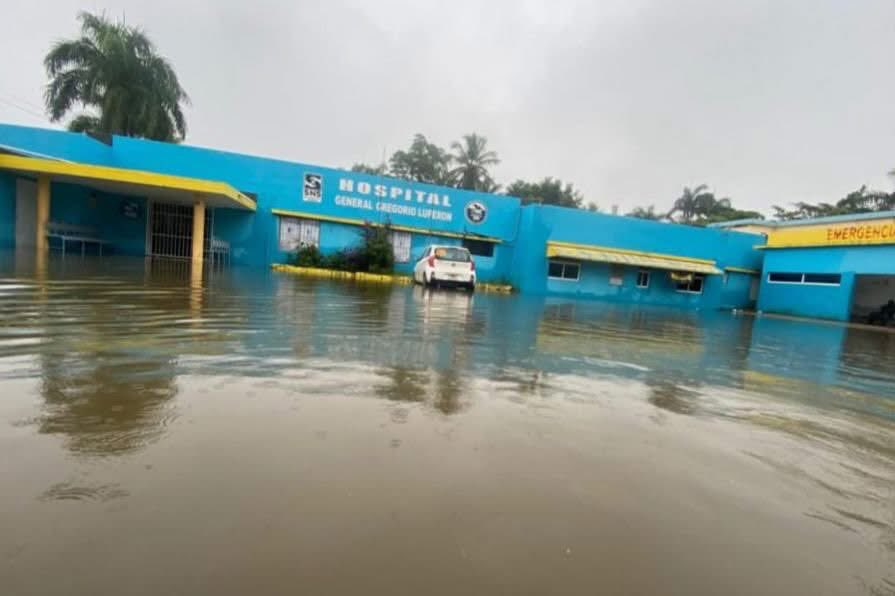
[475, 212]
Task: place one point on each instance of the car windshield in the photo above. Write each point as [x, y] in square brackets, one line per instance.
[452, 254]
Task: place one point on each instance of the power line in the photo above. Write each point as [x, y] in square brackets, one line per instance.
[23, 109]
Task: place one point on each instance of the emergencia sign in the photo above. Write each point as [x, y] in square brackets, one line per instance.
[876, 231]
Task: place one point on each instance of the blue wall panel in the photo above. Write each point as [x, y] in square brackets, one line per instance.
[735, 290]
[103, 213]
[540, 225]
[825, 302]
[56, 144]
[594, 279]
[7, 210]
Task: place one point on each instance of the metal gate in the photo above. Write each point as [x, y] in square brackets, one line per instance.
[171, 230]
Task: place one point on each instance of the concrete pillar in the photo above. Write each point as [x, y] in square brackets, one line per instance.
[198, 233]
[43, 213]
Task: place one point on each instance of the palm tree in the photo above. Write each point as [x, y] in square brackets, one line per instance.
[115, 72]
[689, 203]
[645, 213]
[473, 160]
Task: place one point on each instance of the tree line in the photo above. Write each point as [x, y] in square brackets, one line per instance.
[125, 87]
[467, 165]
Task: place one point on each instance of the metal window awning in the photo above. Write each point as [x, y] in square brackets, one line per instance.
[631, 258]
[172, 189]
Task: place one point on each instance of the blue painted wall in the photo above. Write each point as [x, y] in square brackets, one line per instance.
[523, 232]
[7, 210]
[57, 144]
[279, 185]
[735, 290]
[820, 301]
[541, 224]
[102, 212]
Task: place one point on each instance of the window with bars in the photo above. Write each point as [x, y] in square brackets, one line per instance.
[295, 232]
[171, 230]
[401, 246]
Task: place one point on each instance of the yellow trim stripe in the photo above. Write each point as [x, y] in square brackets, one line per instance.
[125, 176]
[638, 253]
[742, 270]
[373, 277]
[360, 222]
[632, 259]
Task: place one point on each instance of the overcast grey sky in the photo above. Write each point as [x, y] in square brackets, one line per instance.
[766, 101]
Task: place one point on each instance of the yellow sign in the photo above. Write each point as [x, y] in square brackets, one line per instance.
[875, 231]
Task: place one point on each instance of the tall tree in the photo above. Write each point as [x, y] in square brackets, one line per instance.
[861, 200]
[421, 162]
[698, 206]
[549, 191]
[115, 72]
[645, 213]
[687, 206]
[472, 160]
[363, 168]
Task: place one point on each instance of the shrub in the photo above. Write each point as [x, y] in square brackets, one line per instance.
[377, 249]
[374, 254]
[308, 256]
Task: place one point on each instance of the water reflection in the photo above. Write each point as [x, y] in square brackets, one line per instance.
[106, 404]
[110, 339]
[118, 351]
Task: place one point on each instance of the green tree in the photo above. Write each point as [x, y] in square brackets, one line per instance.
[698, 206]
[686, 207]
[422, 162]
[114, 71]
[645, 213]
[549, 191]
[861, 200]
[472, 160]
[362, 168]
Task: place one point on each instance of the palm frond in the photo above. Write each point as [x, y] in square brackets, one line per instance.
[84, 123]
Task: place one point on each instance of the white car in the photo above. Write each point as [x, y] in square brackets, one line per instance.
[445, 265]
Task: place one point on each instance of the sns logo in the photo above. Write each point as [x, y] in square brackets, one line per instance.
[475, 212]
[312, 189]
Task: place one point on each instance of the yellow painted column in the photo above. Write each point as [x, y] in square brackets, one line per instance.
[43, 213]
[198, 233]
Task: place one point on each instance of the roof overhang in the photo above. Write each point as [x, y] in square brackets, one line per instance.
[603, 254]
[172, 189]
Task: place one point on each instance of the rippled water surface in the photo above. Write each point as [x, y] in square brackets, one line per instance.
[252, 432]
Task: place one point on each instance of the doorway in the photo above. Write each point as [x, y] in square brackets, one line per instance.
[870, 300]
[171, 230]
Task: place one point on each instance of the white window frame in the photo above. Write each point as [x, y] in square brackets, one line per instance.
[306, 232]
[701, 276]
[647, 274]
[564, 264]
[802, 278]
[401, 239]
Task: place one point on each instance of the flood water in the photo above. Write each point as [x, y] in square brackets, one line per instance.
[253, 432]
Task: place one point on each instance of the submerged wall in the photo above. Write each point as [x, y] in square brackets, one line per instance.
[7, 210]
[542, 224]
[342, 202]
[820, 301]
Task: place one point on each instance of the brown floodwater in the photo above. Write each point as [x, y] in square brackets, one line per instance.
[253, 432]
